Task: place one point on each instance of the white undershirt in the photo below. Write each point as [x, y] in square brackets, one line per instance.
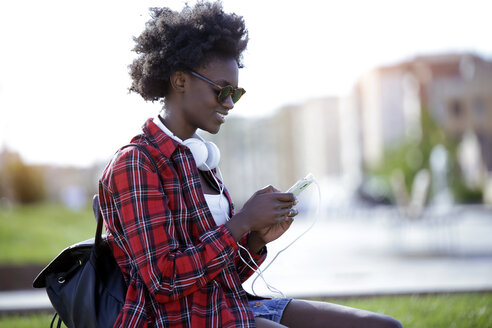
[219, 207]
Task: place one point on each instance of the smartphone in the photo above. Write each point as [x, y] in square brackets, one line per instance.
[302, 184]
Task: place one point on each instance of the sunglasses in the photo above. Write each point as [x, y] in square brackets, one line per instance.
[223, 92]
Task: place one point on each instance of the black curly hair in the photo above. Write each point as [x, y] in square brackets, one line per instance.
[179, 41]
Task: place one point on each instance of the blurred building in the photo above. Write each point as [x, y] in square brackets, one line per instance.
[338, 137]
[455, 88]
[309, 139]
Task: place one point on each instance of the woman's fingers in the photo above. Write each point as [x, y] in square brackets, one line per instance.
[267, 207]
[285, 196]
[287, 212]
[267, 189]
[293, 212]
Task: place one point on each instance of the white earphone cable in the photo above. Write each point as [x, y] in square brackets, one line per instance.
[297, 238]
[259, 272]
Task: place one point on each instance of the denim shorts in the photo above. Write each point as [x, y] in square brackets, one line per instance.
[271, 309]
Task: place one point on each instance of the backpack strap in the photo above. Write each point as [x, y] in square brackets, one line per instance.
[149, 156]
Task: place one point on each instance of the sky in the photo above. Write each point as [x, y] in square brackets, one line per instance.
[64, 79]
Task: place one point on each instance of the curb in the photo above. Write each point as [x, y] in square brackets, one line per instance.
[24, 302]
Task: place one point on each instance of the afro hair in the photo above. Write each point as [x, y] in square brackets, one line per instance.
[179, 41]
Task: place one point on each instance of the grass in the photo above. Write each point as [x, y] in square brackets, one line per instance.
[27, 321]
[438, 310]
[422, 311]
[34, 234]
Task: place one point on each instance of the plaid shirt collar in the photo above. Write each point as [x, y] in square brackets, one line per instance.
[161, 140]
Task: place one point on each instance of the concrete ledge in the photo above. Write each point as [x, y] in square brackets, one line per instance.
[24, 301]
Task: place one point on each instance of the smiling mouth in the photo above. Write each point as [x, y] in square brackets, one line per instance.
[221, 117]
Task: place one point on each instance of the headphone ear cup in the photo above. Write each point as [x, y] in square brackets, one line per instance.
[213, 158]
[199, 151]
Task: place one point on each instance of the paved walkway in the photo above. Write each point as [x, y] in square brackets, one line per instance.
[364, 252]
[24, 300]
[374, 255]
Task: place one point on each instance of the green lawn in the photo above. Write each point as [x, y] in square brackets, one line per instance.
[430, 311]
[34, 234]
[440, 310]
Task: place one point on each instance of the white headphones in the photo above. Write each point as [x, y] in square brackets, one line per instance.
[205, 153]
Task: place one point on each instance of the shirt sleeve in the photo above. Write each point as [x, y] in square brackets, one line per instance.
[169, 270]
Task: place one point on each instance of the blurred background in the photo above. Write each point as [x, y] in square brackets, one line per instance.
[387, 103]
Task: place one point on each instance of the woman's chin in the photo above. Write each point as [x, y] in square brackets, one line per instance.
[213, 129]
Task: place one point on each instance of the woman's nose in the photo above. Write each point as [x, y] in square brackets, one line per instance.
[228, 103]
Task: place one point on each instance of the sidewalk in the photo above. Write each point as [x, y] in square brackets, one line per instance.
[24, 301]
[347, 254]
[377, 253]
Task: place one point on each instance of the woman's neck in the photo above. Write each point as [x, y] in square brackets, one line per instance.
[175, 124]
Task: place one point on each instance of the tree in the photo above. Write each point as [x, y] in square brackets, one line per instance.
[25, 183]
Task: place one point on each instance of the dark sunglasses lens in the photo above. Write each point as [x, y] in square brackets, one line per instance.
[230, 91]
[237, 94]
[224, 93]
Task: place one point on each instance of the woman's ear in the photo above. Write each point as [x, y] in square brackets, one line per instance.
[178, 81]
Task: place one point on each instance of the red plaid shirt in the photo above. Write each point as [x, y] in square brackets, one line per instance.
[182, 270]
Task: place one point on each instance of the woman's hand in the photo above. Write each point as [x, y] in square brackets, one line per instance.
[267, 207]
[258, 239]
[268, 212]
[274, 231]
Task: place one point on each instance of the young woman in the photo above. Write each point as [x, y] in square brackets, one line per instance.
[183, 250]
